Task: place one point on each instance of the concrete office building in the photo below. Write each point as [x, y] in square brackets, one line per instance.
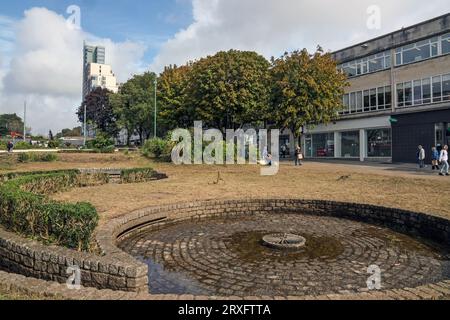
[399, 97]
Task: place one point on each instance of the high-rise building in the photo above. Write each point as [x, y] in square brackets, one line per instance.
[398, 98]
[95, 72]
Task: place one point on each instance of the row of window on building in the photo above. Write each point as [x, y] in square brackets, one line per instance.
[375, 99]
[322, 145]
[415, 52]
[411, 93]
[423, 91]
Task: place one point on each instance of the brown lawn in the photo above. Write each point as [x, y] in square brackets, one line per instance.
[372, 185]
[365, 184]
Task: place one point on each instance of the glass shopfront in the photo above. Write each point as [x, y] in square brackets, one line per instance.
[319, 145]
[350, 144]
[379, 143]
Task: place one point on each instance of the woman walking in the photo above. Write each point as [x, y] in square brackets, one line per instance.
[435, 159]
[444, 161]
[298, 156]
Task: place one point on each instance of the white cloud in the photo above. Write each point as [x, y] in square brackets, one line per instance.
[45, 68]
[271, 27]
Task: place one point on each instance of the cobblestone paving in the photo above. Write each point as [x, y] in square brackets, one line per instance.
[225, 257]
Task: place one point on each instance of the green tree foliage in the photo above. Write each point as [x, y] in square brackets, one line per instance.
[175, 110]
[230, 89]
[99, 111]
[10, 123]
[75, 132]
[134, 105]
[306, 89]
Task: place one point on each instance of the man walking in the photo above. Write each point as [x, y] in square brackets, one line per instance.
[10, 146]
[421, 157]
[444, 162]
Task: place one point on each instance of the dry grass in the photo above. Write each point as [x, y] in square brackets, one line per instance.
[74, 161]
[377, 186]
[373, 185]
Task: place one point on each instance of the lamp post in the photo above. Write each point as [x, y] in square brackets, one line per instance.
[84, 126]
[156, 86]
[25, 121]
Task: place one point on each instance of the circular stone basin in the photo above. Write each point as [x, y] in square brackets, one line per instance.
[225, 257]
[284, 241]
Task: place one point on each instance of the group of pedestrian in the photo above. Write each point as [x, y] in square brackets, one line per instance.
[439, 159]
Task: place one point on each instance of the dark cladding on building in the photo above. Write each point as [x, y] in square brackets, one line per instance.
[398, 98]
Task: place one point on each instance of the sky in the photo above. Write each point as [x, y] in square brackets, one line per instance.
[41, 40]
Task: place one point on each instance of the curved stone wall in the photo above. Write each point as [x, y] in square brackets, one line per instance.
[119, 271]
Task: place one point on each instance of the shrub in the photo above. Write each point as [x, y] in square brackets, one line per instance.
[53, 144]
[37, 157]
[157, 148]
[100, 142]
[13, 175]
[22, 145]
[35, 215]
[26, 209]
[138, 175]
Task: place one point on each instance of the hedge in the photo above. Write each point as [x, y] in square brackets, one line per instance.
[24, 211]
[37, 157]
[13, 175]
[138, 175]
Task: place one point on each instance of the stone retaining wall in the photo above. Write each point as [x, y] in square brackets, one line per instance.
[117, 270]
[408, 222]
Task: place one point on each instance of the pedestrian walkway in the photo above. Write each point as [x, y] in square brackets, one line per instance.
[31, 150]
[411, 168]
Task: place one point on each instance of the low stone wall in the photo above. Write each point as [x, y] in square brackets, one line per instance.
[117, 270]
[408, 222]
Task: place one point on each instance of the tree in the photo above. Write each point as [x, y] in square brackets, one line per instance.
[230, 89]
[99, 111]
[306, 90]
[50, 136]
[10, 123]
[75, 132]
[175, 111]
[134, 105]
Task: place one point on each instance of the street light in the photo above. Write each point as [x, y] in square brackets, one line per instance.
[156, 85]
[84, 126]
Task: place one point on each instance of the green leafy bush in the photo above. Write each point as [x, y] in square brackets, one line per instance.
[100, 142]
[14, 175]
[26, 209]
[157, 148]
[31, 214]
[22, 145]
[37, 157]
[53, 144]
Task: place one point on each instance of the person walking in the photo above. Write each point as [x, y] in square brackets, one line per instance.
[443, 159]
[298, 156]
[435, 159]
[421, 157]
[9, 146]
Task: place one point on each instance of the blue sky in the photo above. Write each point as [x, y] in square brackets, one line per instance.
[152, 22]
[41, 57]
